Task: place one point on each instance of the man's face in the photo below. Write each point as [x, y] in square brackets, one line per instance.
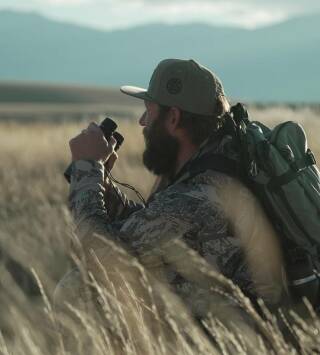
[160, 155]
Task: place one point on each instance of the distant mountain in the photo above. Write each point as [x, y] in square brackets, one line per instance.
[45, 93]
[276, 63]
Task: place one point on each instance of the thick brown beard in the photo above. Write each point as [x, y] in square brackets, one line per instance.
[161, 152]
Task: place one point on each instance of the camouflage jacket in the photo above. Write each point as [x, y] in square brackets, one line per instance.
[186, 210]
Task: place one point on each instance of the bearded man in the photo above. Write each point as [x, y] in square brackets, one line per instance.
[185, 110]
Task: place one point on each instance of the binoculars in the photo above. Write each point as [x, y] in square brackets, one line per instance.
[108, 127]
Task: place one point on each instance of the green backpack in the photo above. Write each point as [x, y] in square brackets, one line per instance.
[277, 165]
[280, 169]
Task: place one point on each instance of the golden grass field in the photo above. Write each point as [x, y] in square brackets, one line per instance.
[35, 229]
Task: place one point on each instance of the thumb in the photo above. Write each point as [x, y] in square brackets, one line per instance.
[113, 142]
[111, 161]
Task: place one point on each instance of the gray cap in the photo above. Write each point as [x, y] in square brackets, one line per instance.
[181, 83]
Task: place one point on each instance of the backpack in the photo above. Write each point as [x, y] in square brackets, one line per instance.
[277, 165]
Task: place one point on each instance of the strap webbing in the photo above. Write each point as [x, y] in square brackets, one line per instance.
[216, 162]
[295, 169]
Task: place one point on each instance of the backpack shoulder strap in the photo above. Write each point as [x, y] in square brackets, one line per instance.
[216, 162]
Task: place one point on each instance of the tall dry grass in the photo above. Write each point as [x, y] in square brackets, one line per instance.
[136, 314]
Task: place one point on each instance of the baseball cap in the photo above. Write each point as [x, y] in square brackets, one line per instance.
[181, 83]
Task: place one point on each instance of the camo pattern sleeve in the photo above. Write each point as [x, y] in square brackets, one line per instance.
[188, 212]
[143, 229]
[117, 203]
[114, 200]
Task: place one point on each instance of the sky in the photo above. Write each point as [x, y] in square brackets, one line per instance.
[117, 14]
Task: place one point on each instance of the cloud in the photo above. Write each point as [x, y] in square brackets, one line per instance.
[265, 2]
[34, 4]
[214, 12]
[246, 13]
[67, 2]
[112, 14]
[288, 6]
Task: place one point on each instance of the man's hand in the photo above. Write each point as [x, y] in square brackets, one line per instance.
[111, 161]
[91, 144]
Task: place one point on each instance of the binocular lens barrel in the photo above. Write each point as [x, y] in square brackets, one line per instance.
[119, 138]
[108, 127]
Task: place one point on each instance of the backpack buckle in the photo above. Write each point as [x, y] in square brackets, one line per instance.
[253, 169]
[303, 163]
[310, 157]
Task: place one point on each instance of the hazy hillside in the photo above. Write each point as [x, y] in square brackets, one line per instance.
[278, 63]
[11, 92]
[42, 101]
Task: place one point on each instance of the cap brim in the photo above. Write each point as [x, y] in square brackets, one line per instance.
[135, 91]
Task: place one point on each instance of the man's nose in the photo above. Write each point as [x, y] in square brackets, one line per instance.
[142, 119]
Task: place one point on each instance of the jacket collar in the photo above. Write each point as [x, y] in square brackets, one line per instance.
[216, 144]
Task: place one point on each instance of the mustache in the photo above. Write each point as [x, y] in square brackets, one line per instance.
[146, 134]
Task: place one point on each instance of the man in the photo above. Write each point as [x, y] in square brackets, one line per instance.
[185, 108]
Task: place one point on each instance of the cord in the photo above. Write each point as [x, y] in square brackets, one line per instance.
[126, 186]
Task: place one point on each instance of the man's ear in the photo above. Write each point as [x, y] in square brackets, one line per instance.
[173, 121]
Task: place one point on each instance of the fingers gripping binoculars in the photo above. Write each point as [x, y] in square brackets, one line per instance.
[108, 127]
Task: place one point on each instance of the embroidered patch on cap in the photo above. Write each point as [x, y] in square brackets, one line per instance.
[174, 86]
